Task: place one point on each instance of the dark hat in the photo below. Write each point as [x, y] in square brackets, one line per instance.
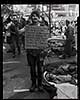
[35, 12]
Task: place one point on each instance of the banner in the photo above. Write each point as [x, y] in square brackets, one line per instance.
[36, 37]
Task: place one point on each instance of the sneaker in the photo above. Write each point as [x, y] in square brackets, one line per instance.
[32, 89]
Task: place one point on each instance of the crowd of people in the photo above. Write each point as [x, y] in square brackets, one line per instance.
[16, 38]
[58, 27]
[14, 23]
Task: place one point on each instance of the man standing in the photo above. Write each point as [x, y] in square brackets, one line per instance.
[68, 43]
[33, 57]
[22, 36]
[14, 38]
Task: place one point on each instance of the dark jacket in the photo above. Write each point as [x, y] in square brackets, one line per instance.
[69, 33]
[13, 29]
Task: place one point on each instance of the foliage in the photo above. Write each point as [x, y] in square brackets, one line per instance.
[6, 9]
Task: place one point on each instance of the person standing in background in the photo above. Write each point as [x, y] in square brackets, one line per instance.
[22, 36]
[69, 32]
[13, 29]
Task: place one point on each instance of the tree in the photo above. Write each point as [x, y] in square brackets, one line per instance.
[6, 9]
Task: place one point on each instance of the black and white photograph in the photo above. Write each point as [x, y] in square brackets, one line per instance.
[40, 51]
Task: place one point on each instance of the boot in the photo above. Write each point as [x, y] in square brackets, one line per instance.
[40, 87]
[32, 89]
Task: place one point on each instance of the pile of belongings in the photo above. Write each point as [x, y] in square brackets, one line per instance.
[56, 44]
[62, 74]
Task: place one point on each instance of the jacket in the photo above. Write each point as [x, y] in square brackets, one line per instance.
[69, 33]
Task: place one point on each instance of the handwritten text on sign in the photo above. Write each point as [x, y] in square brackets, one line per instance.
[36, 37]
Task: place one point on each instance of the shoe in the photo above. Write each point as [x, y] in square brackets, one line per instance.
[19, 53]
[32, 89]
[62, 57]
[69, 56]
[14, 56]
[9, 51]
[40, 88]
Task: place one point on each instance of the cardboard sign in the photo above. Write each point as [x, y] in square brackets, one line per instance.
[36, 37]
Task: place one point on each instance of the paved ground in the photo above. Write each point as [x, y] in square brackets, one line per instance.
[16, 76]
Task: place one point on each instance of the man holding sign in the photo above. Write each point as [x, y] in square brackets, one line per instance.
[35, 41]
